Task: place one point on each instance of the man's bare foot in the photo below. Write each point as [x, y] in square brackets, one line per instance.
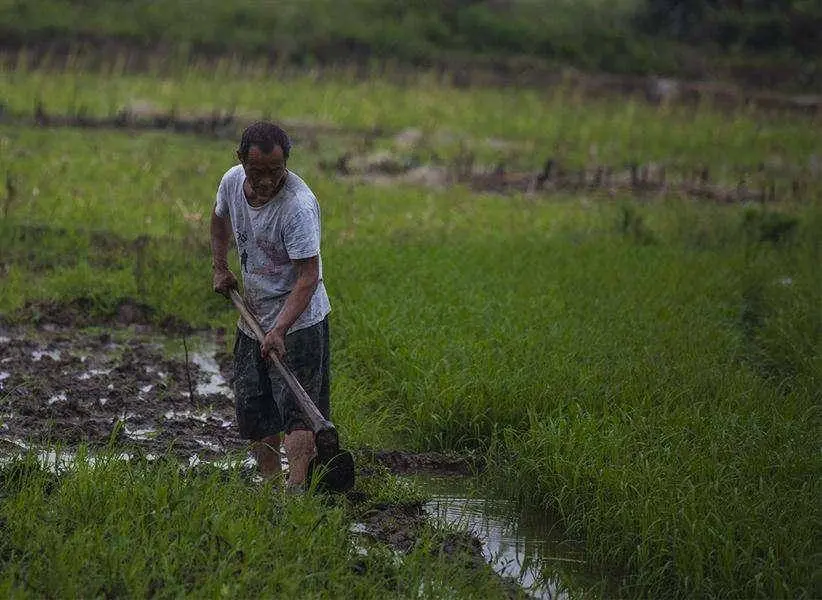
[267, 453]
[299, 449]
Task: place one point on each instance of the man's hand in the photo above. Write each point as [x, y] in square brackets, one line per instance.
[224, 281]
[274, 341]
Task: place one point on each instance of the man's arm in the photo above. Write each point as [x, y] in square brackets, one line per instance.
[308, 276]
[224, 279]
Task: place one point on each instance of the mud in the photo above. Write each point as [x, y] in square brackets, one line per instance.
[62, 387]
[217, 124]
[125, 382]
[405, 463]
[646, 181]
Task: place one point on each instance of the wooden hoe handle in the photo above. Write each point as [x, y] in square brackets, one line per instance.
[321, 426]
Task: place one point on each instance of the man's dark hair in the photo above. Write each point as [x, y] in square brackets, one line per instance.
[265, 136]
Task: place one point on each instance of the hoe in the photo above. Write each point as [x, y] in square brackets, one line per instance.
[332, 468]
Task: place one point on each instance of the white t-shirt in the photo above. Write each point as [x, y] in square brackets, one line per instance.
[268, 238]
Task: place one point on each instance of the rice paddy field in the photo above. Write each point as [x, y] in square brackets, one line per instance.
[642, 363]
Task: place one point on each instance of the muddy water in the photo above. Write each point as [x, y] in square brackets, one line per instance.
[528, 549]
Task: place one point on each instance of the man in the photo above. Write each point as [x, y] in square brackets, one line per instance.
[275, 220]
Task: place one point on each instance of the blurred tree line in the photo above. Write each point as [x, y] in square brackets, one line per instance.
[746, 25]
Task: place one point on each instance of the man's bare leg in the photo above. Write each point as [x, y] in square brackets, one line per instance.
[299, 450]
[267, 453]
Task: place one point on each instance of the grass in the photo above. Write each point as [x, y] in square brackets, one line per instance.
[649, 370]
[109, 527]
[587, 35]
[517, 36]
[537, 125]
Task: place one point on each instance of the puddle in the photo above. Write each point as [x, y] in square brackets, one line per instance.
[55, 461]
[216, 383]
[61, 397]
[185, 415]
[209, 445]
[527, 549]
[201, 417]
[61, 460]
[52, 354]
[140, 434]
[92, 372]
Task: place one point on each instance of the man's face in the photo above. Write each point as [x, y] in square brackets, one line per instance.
[264, 171]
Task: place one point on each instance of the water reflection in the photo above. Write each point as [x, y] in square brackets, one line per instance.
[526, 548]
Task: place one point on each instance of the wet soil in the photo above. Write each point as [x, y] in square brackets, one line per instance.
[405, 463]
[62, 386]
[127, 382]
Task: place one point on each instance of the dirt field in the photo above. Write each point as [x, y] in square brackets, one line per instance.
[67, 386]
[153, 389]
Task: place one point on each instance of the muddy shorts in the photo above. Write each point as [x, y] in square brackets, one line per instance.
[264, 404]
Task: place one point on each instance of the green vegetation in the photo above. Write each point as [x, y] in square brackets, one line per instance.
[593, 34]
[628, 36]
[749, 25]
[650, 370]
[111, 528]
[536, 125]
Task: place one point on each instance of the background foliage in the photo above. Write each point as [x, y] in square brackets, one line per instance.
[692, 38]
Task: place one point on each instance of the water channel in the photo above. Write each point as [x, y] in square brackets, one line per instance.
[528, 548]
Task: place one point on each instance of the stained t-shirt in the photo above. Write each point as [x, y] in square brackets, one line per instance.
[268, 238]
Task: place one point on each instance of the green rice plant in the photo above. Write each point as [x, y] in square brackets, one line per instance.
[537, 124]
[695, 505]
[631, 358]
[105, 526]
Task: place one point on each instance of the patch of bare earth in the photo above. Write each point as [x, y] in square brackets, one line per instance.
[63, 386]
[68, 378]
